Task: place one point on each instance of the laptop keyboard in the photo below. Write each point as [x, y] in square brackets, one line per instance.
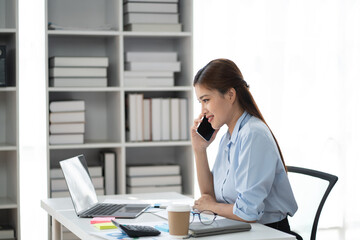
[103, 209]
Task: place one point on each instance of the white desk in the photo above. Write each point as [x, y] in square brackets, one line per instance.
[62, 212]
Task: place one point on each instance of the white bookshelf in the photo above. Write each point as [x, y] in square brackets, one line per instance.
[9, 124]
[95, 28]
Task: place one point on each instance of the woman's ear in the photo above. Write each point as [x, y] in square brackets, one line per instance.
[231, 95]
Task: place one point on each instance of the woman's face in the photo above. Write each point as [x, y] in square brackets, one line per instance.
[215, 106]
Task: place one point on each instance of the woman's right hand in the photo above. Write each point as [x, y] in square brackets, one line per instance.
[198, 143]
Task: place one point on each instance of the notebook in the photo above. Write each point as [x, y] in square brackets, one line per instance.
[221, 226]
[84, 197]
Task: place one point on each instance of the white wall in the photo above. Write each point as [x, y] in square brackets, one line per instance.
[33, 181]
[302, 62]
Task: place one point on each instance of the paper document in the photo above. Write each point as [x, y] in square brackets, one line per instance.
[163, 227]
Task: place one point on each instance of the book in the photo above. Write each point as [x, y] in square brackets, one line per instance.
[175, 119]
[151, 18]
[66, 139]
[131, 116]
[139, 117]
[153, 180]
[78, 72]
[151, 57]
[183, 119]
[108, 160]
[165, 119]
[152, 170]
[156, 124]
[66, 117]
[136, 74]
[60, 184]
[79, 62]
[65, 193]
[7, 232]
[67, 106]
[148, 78]
[154, 189]
[94, 171]
[78, 82]
[147, 119]
[3, 66]
[150, 7]
[67, 128]
[149, 82]
[153, 27]
[153, 66]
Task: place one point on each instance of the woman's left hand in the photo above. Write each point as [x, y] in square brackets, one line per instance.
[205, 202]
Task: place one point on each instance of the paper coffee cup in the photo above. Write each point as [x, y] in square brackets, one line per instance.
[178, 217]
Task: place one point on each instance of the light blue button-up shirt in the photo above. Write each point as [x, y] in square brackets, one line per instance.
[248, 172]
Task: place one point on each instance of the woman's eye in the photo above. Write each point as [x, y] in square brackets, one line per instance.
[205, 100]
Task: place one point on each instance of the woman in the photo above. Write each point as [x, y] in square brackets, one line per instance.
[249, 178]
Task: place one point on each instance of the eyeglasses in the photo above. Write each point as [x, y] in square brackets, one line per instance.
[206, 217]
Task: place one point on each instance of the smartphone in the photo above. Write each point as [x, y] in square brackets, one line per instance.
[205, 129]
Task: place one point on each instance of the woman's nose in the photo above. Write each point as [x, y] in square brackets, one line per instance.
[204, 111]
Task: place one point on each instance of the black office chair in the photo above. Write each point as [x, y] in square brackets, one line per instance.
[306, 178]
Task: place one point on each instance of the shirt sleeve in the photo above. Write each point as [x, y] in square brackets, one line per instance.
[257, 158]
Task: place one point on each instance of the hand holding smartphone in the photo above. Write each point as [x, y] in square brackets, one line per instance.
[205, 129]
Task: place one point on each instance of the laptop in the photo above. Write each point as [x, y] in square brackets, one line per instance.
[84, 197]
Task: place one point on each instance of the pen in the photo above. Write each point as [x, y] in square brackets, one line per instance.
[159, 206]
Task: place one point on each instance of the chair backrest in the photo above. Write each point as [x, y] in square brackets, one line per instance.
[317, 206]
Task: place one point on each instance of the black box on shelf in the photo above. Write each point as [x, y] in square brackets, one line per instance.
[2, 65]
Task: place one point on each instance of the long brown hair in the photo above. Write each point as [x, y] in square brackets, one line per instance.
[223, 74]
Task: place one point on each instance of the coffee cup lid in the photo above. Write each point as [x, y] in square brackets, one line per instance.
[179, 208]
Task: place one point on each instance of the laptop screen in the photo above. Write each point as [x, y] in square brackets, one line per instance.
[80, 186]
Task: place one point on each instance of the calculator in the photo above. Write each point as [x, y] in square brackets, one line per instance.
[137, 230]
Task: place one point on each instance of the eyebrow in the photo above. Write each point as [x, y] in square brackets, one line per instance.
[205, 95]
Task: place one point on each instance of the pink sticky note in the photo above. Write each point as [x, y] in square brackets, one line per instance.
[101, 220]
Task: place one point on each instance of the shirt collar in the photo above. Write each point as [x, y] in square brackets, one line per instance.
[239, 124]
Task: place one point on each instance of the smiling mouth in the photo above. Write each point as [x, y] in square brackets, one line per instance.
[210, 118]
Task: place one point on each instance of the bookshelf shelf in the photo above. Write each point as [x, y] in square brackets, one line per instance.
[106, 108]
[158, 144]
[84, 89]
[7, 203]
[82, 33]
[157, 34]
[8, 89]
[7, 147]
[159, 89]
[7, 30]
[86, 146]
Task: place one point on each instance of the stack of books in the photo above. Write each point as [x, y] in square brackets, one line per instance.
[156, 119]
[78, 71]
[150, 69]
[59, 188]
[7, 232]
[151, 15]
[153, 178]
[67, 122]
